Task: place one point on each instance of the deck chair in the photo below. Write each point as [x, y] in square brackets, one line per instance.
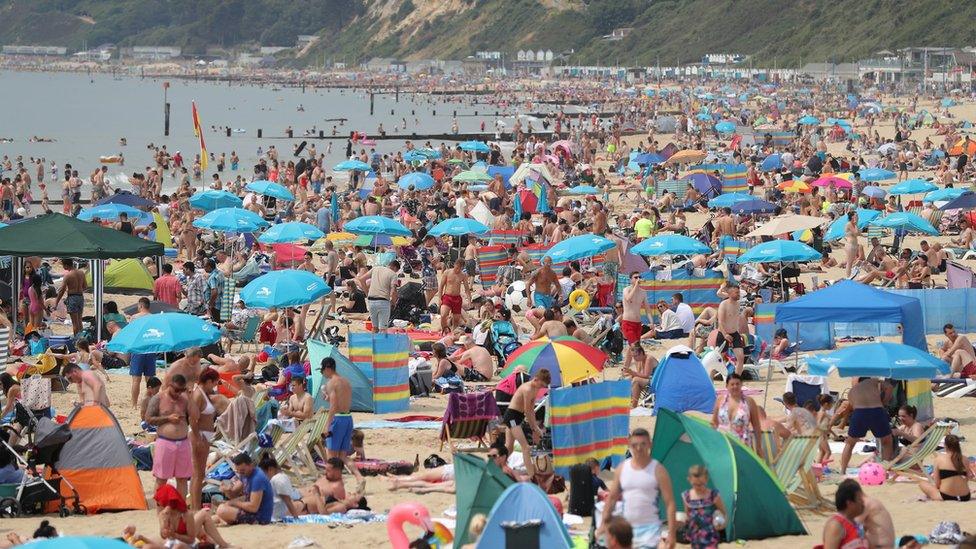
[247, 335]
[915, 453]
[807, 388]
[467, 417]
[953, 387]
[313, 445]
[226, 450]
[958, 254]
[288, 452]
[792, 466]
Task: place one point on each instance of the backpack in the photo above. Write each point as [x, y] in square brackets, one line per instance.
[420, 385]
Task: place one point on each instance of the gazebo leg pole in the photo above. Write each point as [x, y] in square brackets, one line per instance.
[16, 270]
[98, 291]
[159, 266]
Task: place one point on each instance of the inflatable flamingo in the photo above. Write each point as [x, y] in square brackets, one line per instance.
[411, 512]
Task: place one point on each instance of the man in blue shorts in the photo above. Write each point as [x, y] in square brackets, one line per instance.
[338, 438]
[868, 413]
[547, 289]
[141, 365]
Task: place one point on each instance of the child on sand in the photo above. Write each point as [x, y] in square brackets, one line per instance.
[132, 538]
[825, 417]
[704, 508]
[358, 445]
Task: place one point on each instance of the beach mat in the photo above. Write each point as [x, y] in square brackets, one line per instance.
[387, 424]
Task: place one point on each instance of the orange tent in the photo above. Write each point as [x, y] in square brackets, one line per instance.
[96, 461]
[961, 146]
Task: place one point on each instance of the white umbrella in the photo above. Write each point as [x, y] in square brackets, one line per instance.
[787, 224]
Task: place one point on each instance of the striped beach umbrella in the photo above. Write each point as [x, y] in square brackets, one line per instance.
[568, 359]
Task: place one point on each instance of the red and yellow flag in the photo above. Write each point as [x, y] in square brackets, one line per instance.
[198, 131]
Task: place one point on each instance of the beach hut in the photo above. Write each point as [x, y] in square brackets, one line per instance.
[126, 276]
[97, 463]
[681, 383]
[376, 369]
[756, 503]
[589, 421]
[523, 516]
[479, 485]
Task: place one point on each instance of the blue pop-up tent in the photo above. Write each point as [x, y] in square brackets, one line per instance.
[681, 383]
[849, 301]
[524, 505]
[362, 386]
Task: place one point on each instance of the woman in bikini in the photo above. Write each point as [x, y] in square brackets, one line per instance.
[950, 476]
[738, 415]
[203, 414]
[851, 232]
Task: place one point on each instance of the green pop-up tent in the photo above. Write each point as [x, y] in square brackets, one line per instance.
[126, 276]
[755, 501]
[479, 485]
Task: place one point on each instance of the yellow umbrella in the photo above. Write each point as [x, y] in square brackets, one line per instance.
[687, 156]
[340, 237]
[794, 186]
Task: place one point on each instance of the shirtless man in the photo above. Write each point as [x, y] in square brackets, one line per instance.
[72, 290]
[169, 412]
[729, 322]
[522, 408]
[338, 439]
[868, 414]
[547, 290]
[91, 390]
[331, 262]
[332, 490]
[476, 357]
[723, 225]
[299, 405]
[188, 368]
[703, 326]
[966, 235]
[552, 325]
[630, 322]
[958, 352]
[879, 529]
[450, 297]
[611, 263]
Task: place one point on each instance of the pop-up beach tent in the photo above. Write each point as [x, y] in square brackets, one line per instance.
[680, 383]
[523, 516]
[126, 276]
[479, 485]
[756, 504]
[376, 369]
[97, 463]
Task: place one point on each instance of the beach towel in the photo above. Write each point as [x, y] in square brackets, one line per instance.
[387, 424]
[350, 518]
[239, 420]
[375, 467]
[470, 406]
[490, 260]
[589, 421]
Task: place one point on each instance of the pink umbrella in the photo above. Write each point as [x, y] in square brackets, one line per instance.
[564, 144]
[831, 181]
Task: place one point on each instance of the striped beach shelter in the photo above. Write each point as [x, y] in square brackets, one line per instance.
[97, 463]
[383, 358]
[589, 421]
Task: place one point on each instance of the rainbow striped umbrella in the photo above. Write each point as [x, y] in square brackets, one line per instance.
[568, 359]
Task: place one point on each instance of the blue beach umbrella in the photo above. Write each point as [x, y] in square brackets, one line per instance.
[163, 333]
[377, 224]
[728, 200]
[474, 146]
[772, 163]
[755, 206]
[293, 231]
[725, 127]
[351, 165]
[874, 192]
[127, 199]
[109, 212]
[913, 186]
[965, 201]
[779, 251]
[905, 221]
[213, 200]
[459, 226]
[670, 244]
[418, 180]
[836, 229]
[270, 188]
[809, 120]
[236, 220]
[876, 174]
[945, 194]
[888, 360]
[583, 190]
[579, 247]
[284, 288]
[647, 159]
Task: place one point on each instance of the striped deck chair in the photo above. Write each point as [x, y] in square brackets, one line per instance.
[467, 417]
[313, 445]
[915, 207]
[288, 452]
[678, 187]
[909, 460]
[792, 467]
[490, 260]
[505, 237]
[248, 445]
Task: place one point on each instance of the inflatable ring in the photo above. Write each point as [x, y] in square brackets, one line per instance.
[579, 300]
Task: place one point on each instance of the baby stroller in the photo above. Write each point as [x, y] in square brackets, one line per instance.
[502, 340]
[411, 304]
[45, 438]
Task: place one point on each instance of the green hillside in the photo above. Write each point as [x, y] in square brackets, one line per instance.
[781, 32]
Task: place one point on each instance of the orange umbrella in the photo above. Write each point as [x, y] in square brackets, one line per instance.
[794, 186]
[687, 156]
[964, 145]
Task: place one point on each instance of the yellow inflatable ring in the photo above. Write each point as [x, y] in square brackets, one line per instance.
[579, 300]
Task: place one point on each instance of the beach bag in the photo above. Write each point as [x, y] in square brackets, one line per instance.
[420, 384]
[36, 392]
[37, 346]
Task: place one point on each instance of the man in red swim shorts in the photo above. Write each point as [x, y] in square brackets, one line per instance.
[451, 303]
[630, 321]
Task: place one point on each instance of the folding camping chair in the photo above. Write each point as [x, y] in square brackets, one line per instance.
[913, 455]
[807, 388]
[793, 467]
[246, 335]
[467, 417]
[225, 448]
